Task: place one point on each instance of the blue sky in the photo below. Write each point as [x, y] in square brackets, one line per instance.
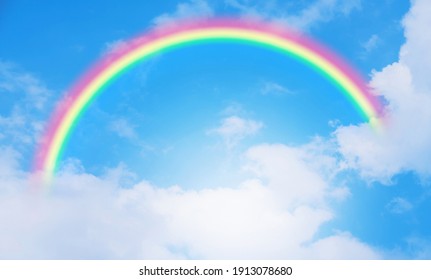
[218, 151]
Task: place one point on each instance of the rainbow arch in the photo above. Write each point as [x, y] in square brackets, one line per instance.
[304, 49]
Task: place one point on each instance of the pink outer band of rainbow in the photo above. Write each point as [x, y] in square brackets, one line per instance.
[304, 49]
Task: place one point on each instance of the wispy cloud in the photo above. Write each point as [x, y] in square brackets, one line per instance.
[114, 46]
[16, 81]
[186, 10]
[371, 43]
[233, 129]
[19, 123]
[320, 11]
[305, 18]
[123, 128]
[399, 205]
[273, 88]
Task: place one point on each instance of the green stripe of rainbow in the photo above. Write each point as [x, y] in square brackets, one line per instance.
[75, 102]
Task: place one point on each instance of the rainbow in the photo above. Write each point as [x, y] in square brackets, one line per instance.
[160, 40]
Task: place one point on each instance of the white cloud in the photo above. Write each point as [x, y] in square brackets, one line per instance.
[340, 193]
[273, 10]
[278, 11]
[11, 178]
[187, 10]
[419, 248]
[30, 97]
[233, 109]
[233, 129]
[114, 47]
[399, 205]
[251, 8]
[274, 88]
[309, 16]
[276, 214]
[123, 129]
[18, 82]
[334, 246]
[320, 11]
[287, 170]
[405, 144]
[371, 43]
[19, 127]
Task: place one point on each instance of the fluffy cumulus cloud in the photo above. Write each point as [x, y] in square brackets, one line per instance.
[405, 143]
[274, 214]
